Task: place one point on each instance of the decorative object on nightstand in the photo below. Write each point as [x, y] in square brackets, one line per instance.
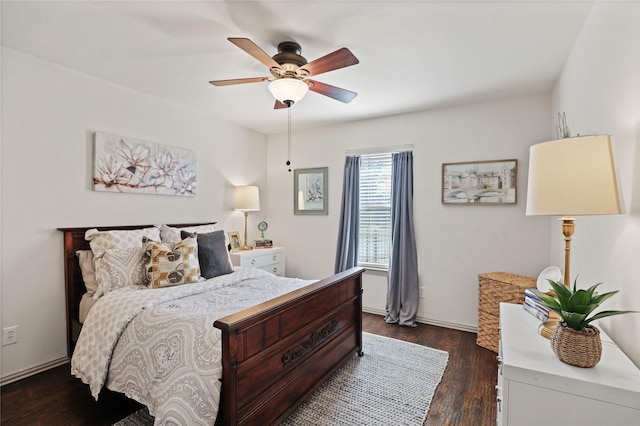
[263, 242]
[570, 177]
[549, 273]
[496, 287]
[234, 241]
[247, 199]
[262, 226]
[574, 340]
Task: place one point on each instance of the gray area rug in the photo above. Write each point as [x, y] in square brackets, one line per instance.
[393, 383]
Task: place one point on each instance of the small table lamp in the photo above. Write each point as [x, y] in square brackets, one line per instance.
[570, 177]
[247, 199]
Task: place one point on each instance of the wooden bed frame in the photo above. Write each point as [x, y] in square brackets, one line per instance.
[274, 354]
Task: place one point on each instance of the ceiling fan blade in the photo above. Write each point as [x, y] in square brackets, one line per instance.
[339, 59]
[252, 49]
[238, 81]
[279, 105]
[334, 92]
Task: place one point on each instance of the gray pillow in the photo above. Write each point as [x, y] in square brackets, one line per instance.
[212, 254]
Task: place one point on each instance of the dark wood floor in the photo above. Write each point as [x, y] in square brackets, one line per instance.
[466, 395]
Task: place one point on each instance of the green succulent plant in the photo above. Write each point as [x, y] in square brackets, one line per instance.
[575, 306]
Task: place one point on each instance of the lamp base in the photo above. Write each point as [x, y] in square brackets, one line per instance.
[568, 227]
[246, 246]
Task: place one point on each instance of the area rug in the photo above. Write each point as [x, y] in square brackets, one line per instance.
[393, 383]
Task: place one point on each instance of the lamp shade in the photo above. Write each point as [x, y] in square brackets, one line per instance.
[247, 198]
[572, 176]
[288, 89]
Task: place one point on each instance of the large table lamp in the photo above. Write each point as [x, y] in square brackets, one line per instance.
[571, 177]
[247, 199]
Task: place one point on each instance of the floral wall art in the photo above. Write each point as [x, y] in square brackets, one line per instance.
[123, 164]
[310, 191]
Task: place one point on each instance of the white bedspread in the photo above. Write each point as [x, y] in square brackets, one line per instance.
[159, 346]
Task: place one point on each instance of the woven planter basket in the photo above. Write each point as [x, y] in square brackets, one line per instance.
[580, 348]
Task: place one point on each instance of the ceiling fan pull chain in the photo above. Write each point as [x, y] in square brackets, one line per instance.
[289, 139]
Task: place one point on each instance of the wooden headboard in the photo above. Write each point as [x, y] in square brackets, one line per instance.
[73, 283]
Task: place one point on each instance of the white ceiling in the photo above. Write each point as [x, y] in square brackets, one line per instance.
[414, 55]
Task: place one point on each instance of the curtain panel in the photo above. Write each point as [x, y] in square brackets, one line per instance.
[402, 288]
[347, 250]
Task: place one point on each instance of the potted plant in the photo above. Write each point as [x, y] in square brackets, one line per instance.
[574, 340]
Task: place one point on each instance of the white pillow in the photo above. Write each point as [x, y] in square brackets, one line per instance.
[85, 259]
[170, 234]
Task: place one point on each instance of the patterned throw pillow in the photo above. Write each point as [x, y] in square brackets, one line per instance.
[121, 268]
[126, 267]
[169, 264]
[101, 241]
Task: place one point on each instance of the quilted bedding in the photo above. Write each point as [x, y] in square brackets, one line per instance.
[159, 346]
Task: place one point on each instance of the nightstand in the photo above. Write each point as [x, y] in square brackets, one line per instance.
[268, 259]
[536, 388]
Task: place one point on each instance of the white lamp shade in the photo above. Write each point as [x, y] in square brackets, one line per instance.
[573, 176]
[247, 198]
[288, 89]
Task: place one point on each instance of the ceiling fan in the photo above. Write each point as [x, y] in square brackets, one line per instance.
[290, 72]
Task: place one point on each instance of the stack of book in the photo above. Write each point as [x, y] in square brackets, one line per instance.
[533, 306]
[264, 244]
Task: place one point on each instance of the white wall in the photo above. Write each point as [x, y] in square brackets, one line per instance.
[455, 243]
[599, 90]
[49, 115]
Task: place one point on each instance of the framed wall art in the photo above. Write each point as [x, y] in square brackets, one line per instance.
[123, 164]
[480, 182]
[310, 191]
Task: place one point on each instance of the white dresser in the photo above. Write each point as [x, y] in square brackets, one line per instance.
[268, 259]
[536, 388]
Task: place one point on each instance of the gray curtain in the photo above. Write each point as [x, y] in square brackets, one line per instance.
[402, 287]
[347, 252]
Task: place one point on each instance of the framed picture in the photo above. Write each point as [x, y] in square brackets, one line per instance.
[311, 191]
[234, 240]
[480, 182]
[124, 164]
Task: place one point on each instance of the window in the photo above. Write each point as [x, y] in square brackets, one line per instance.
[374, 238]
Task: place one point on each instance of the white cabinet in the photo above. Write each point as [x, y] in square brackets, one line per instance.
[269, 259]
[536, 388]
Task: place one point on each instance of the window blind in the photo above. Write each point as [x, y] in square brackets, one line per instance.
[374, 243]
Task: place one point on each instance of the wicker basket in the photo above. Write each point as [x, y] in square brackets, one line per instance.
[580, 348]
[496, 287]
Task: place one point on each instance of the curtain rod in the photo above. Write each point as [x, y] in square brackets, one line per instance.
[380, 150]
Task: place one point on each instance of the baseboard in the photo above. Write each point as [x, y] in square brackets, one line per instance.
[23, 374]
[430, 321]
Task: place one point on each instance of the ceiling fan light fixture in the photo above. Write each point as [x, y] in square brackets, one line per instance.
[288, 90]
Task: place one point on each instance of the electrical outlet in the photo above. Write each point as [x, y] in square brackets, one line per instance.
[9, 335]
[421, 292]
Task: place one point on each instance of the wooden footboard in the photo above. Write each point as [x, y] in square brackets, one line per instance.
[277, 353]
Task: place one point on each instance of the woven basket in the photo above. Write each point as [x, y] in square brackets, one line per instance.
[580, 348]
[493, 288]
